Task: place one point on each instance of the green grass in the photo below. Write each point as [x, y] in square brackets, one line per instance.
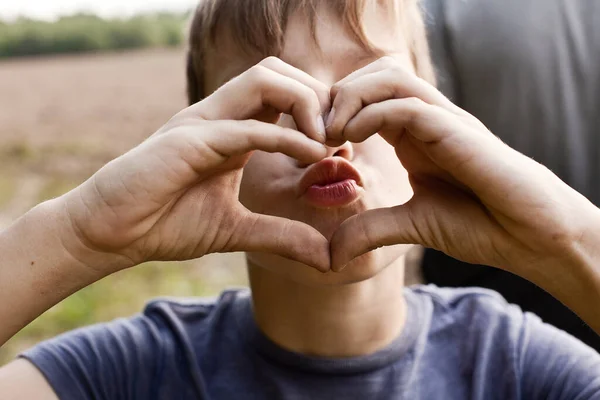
[18, 151]
[8, 187]
[90, 33]
[120, 295]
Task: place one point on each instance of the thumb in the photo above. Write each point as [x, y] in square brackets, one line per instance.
[287, 238]
[370, 230]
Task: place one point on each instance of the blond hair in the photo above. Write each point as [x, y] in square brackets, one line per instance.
[258, 27]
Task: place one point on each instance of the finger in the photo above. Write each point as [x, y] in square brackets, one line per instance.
[290, 239]
[283, 68]
[439, 217]
[370, 230]
[376, 66]
[261, 89]
[393, 118]
[421, 168]
[194, 150]
[426, 123]
[462, 151]
[390, 83]
[398, 75]
[225, 139]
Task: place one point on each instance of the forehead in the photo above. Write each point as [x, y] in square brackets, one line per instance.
[331, 54]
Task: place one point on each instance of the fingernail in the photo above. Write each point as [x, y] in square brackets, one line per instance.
[321, 127]
[330, 118]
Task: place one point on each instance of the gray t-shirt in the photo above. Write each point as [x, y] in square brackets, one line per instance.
[457, 344]
[530, 70]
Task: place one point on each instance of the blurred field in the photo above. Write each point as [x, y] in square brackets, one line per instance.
[75, 34]
[62, 118]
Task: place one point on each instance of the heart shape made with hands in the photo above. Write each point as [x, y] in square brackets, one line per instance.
[361, 106]
[444, 150]
[459, 171]
[457, 168]
[382, 98]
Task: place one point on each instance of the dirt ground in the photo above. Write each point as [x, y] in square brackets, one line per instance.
[61, 119]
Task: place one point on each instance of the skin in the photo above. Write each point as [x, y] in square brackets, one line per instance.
[363, 302]
[474, 198]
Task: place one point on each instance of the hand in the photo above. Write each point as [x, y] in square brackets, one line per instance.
[175, 196]
[475, 198]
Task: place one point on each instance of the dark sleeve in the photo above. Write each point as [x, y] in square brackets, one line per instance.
[555, 365]
[118, 360]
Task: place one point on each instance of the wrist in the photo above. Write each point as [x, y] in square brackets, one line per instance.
[570, 269]
[585, 249]
[75, 245]
[580, 288]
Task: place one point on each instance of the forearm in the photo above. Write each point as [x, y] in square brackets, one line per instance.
[40, 265]
[584, 297]
[575, 279]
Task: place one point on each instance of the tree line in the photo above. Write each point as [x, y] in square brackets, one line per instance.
[90, 33]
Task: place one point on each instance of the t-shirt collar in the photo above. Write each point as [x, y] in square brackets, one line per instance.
[400, 348]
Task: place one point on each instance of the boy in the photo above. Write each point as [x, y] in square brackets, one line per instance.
[322, 320]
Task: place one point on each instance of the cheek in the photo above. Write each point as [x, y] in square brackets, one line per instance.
[261, 173]
[387, 172]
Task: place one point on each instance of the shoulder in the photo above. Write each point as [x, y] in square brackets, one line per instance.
[478, 324]
[468, 302]
[161, 317]
[495, 337]
[155, 345]
[189, 319]
[192, 309]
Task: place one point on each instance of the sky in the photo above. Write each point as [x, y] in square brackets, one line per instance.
[51, 9]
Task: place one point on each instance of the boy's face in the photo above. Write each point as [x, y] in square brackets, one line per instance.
[273, 183]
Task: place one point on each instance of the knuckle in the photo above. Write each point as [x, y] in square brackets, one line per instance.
[335, 89]
[251, 125]
[397, 73]
[387, 62]
[258, 73]
[414, 106]
[414, 103]
[346, 90]
[179, 140]
[270, 62]
[343, 89]
[309, 97]
[323, 96]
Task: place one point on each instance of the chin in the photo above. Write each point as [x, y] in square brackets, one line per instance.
[327, 220]
[360, 269]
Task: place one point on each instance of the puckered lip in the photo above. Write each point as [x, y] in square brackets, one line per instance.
[328, 171]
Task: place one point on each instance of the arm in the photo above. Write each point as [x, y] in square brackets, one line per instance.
[42, 264]
[128, 212]
[21, 380]
[131, 210]
[475, 198]
[554, 365]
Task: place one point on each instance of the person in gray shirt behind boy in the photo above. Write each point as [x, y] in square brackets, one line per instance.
[529, 71]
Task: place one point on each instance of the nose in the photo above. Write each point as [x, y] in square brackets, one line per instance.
[345, 150]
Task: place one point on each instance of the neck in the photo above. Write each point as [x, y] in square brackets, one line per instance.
[330, 321]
